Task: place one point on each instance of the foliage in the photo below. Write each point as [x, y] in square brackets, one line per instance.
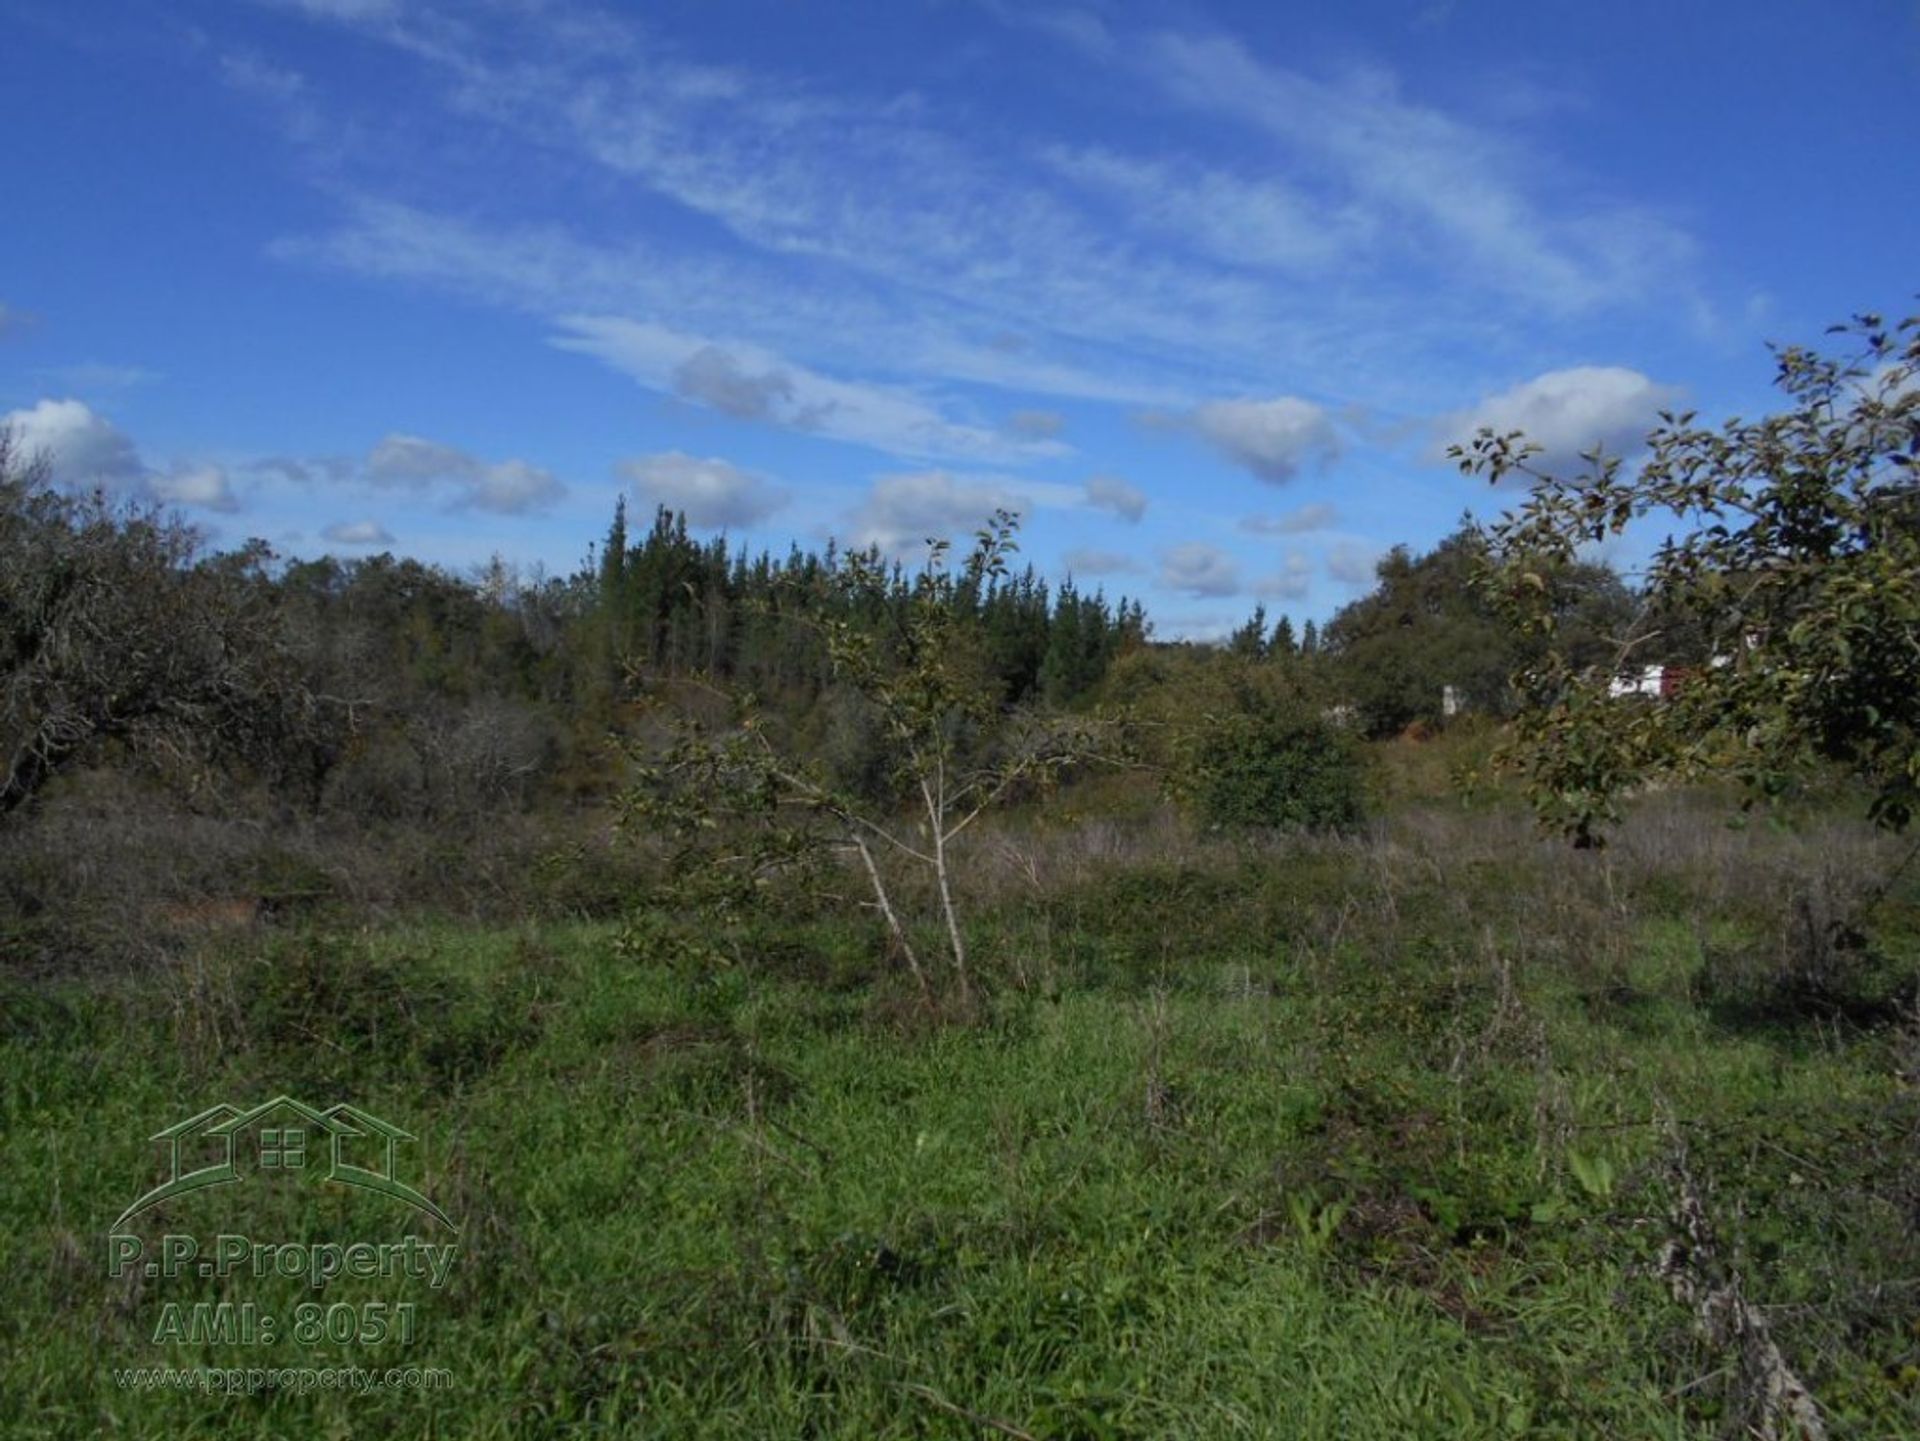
[1795, 565]
[1281, 767]
[1244, 737]
[1288, 1115]
[1250, 641]
[1425, 628]
[389, 691]
[741, 804]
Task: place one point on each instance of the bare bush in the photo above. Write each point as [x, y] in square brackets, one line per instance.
[114, 631]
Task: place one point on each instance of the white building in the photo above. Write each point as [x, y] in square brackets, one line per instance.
[1648, 680]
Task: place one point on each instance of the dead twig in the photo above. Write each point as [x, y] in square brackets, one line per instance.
[1773, 1402]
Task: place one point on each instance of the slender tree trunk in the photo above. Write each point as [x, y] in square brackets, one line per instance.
[893, 920]
[937, 823]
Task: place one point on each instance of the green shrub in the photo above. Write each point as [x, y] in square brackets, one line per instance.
[1278, 768]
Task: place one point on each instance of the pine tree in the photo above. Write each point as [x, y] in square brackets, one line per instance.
[614, 613]
[1250, 641]
[1283, 644]
[613, 561]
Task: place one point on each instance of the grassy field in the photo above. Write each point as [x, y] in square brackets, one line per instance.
[1363, 1138]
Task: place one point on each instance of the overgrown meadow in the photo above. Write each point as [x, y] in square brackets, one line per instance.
[1435, 1128]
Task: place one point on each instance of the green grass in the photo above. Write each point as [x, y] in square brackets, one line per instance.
[1226, 1166]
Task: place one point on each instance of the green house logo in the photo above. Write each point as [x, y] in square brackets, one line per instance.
[225, 1145]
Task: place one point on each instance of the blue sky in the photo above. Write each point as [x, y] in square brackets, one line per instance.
[1201, 290]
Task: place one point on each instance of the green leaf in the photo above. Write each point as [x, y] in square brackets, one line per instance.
[1594, 1173]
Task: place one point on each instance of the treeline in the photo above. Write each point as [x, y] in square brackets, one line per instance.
[1430, 627]
[385, 689]
[670, 605]
[381, 732]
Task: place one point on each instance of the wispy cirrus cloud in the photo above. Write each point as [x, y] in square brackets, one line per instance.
[96, 377]
[283, 89]
[1036, 424]
[1257, 222]
[1415, 174]
[352, 10]
[1300, 521]
[1091, 561]
[852, 242]
[749, 382]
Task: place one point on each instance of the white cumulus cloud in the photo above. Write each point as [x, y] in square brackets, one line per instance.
[902, 512]
[1291, 582]
[82, 447]
[508, 487]
[206, 486]
[1198, 569]
[1275, 439]
[1110, 492]
[84, 450]
[717, 378]
[1083, 560]
[1352, 564]
[513, 487]
[357, 532]
[1566, 412]
[410, 460]
[711, 493]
